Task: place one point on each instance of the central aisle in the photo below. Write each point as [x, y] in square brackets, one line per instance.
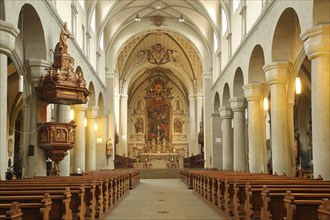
[162, 199]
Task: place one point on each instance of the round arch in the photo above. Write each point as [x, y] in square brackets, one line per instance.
[238, 83]
[226, 96]
[256, 63]
[286, 36]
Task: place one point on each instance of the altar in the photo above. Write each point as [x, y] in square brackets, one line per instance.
[158, 156]
[159, 160]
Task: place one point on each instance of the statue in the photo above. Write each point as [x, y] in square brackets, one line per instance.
[139, 125]
[177, 125]
[109, 147]
[64, 35]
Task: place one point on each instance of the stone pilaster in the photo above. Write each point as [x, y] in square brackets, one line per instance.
[79, 151]
[110, 112]
[238, 107]
[36, 164]
[208, 151]
[193, 132]
[277, 75]
[8, 34]
[257, 145]
[63, 116]
[291, 136]
[317, 47]
[91, 115]
[199, 107]
[227, 143]
[217, 137]
[123, 126]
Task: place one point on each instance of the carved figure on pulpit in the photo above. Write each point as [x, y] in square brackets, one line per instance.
[64, 35]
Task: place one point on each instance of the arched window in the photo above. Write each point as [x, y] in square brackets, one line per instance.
[93, 21]
[235, 5]
[101, 42]
[215, 42]
[223, 22]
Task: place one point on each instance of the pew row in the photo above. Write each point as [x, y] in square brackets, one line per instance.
[91, 196]
[238, 195]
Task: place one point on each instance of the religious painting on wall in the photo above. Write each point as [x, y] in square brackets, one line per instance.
[158, 115]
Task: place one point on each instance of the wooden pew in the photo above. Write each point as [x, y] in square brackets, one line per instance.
[31, 210]
[226, 190]
[77, 204]
[324, 210]
[103, 189]
[302, 206]
[60, 208]
[12, 211]
[299, 203]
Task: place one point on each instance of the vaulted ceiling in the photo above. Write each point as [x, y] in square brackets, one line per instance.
[192, 39]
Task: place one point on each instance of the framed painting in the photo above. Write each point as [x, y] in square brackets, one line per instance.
[158, 121]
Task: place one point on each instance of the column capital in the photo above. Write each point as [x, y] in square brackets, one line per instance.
[278, 72]
[317, 41]
[225, 112]
[253, 91]
[237, 104]
[81, 107]
[92, 112]
[8, 34]
[36, 68]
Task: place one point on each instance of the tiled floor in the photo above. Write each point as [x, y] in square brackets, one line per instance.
[162, 199]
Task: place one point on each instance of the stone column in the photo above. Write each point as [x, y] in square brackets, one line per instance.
[91, 138]
[317, 47]
[208, 151]
[63, 116]
[110, 112]
[277, 75]
[123, 126]
[79, 150]
[227, 143]
[238, 107]
[37, 161]
[257, 146]
[193, 133]
[8, 34]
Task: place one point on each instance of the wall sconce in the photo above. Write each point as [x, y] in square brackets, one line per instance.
[85, 122]
[137, 18]
[298, 85]
[266, 104]
[95, 126]
[99, 140]
[71, 114]
[181, 19]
